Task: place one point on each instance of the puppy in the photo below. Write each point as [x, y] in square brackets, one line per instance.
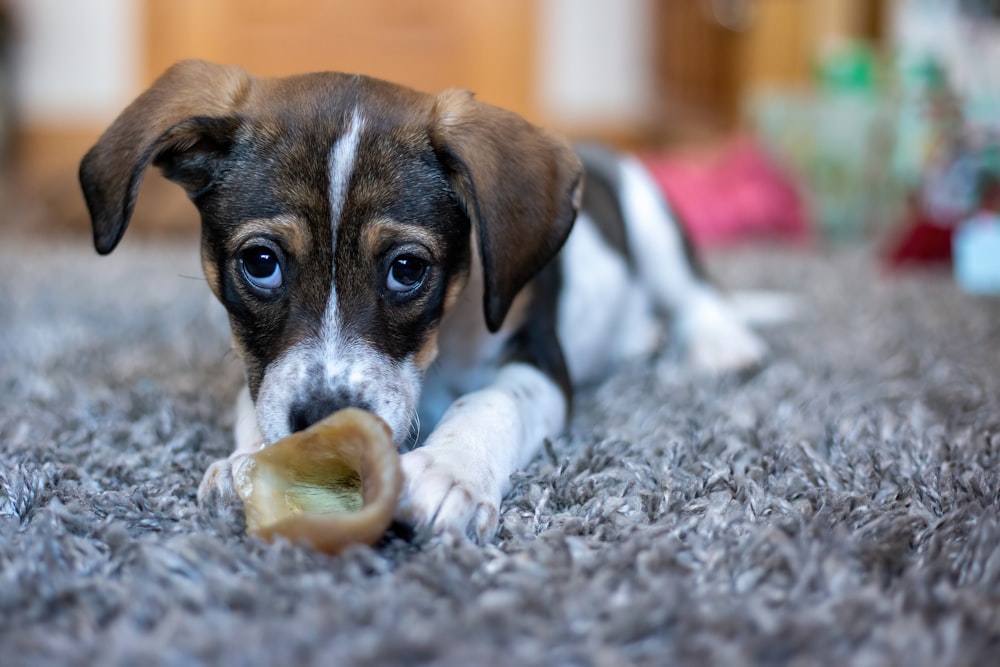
[411, 255]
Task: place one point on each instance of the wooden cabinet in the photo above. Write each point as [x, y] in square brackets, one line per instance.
[483, 45]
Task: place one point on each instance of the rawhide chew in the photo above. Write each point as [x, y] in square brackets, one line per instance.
[333, 484]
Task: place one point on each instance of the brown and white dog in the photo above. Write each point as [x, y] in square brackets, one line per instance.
[410, 254]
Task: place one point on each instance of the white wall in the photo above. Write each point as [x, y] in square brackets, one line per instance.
[76, 61]
[596, 64]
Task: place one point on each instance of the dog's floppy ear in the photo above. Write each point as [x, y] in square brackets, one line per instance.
[182, 124]
[519, 185]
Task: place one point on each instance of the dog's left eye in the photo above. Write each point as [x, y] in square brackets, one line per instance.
[406, 273]
[261, 267]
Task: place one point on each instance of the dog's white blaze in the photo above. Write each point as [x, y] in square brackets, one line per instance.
[343, 156]
[341, 165]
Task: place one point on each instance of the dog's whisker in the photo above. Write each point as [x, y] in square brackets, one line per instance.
[413, 436]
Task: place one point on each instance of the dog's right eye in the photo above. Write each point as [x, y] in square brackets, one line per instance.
[261, 268]
[406, 273]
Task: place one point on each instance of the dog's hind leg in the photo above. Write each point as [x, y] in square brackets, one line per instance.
[706, 324]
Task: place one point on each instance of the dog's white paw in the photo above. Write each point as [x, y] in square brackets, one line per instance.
[716, 338]
[442, 493]
[218, 500]
[217, 487]
[735, 350]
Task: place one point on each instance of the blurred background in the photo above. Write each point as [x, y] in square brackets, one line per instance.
[846, 120]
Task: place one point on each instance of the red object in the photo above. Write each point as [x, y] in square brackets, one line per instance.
[923, 242]
[732, 193]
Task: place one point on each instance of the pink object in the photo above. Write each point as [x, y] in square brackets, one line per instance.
[731, 194]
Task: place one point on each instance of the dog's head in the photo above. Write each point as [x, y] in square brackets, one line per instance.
[340, 215]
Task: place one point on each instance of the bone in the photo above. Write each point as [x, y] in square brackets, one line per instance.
[334, 484]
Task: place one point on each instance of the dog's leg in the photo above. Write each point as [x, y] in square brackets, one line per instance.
[456, 480]
[706, 324]
[217, 483]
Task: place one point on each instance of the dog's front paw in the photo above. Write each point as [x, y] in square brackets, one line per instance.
[217, 497]
[442, 493]
[217, 483]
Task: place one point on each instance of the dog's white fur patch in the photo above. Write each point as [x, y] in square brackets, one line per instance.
[706, 324]
[606, 316]
[335, 367]
[655, 238]
[623, 326]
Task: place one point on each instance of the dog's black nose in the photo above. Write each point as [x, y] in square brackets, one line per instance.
[306, 413]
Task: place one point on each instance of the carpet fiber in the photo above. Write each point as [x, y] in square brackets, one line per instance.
[837, 507]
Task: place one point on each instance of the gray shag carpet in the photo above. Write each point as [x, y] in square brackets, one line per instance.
[837, 507]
